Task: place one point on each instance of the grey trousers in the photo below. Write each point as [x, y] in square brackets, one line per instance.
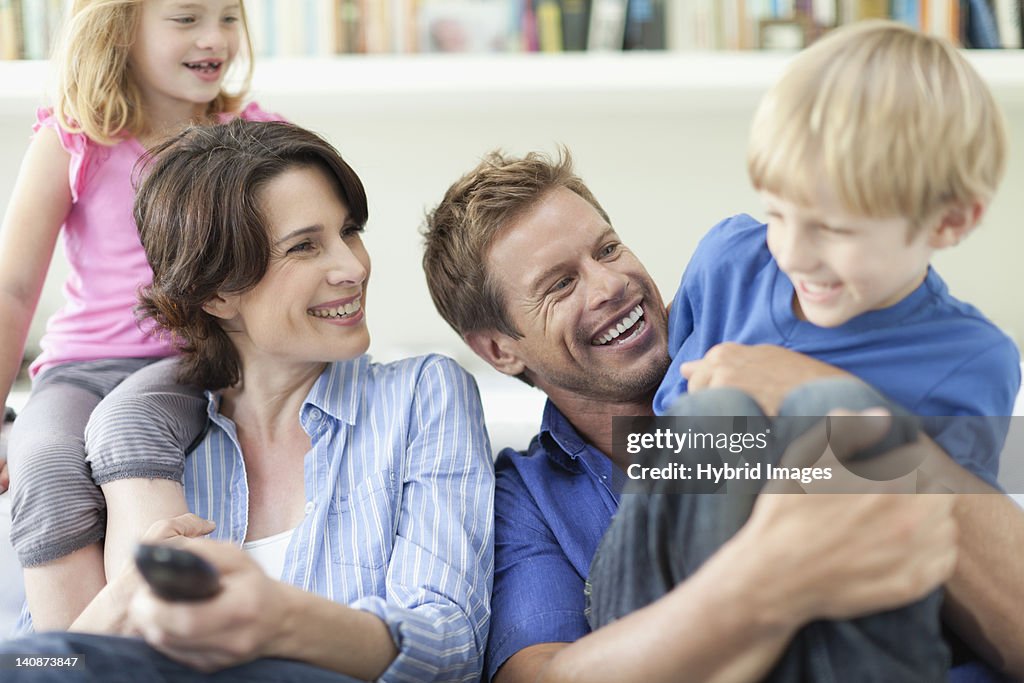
[86, 424]
[658, 539]
[110, 659]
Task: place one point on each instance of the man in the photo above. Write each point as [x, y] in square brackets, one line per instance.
[523, 263]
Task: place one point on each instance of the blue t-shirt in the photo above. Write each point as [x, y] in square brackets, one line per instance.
[930, 353]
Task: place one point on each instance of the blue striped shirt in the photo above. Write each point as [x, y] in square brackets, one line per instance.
[399, 514]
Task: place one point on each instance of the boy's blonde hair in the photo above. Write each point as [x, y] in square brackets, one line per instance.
[897, 123]
[95, 91]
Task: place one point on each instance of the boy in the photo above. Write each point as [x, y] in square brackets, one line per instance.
[878, 147]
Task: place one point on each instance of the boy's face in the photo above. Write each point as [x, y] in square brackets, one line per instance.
[842, 265]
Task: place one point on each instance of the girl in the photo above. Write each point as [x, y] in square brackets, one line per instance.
[130, 74]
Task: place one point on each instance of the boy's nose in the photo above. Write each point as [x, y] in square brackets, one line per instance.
[793, 251]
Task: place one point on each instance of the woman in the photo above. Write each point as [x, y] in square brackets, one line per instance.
[365, 488]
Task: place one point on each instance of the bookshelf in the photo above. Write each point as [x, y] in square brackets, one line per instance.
[612, 82]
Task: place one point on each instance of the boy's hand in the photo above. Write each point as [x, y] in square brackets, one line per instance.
[767, 373]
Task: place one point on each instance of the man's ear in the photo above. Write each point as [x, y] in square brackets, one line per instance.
[955, 223]
[497, 349]
[223, 307]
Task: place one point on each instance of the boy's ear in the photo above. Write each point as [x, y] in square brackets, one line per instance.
[955, 223]
[223, 307]
[499, 350]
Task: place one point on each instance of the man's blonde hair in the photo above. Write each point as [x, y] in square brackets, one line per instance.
[96, 94]
[897, 123]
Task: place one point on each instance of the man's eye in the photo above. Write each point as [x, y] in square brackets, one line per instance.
[561, 284]
[610, 249]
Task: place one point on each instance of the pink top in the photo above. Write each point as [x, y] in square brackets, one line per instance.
[108, 265]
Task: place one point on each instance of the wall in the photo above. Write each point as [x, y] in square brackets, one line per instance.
[665, 172]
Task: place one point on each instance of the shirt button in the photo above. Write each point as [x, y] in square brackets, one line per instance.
[309, 507]
[315, 414]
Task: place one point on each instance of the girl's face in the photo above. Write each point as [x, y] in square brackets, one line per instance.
[181, 52]
[310, 305]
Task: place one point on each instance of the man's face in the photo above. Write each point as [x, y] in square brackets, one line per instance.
[592, 320]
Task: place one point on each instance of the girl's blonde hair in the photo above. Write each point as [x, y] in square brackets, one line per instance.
[895, 122]
[96, 94]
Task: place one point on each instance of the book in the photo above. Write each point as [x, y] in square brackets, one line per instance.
[575, 18]
[10, 30]
[981, 27]
[1008, 22]
[907, 12]
[549, 25]
[645, 25]
[607, 25]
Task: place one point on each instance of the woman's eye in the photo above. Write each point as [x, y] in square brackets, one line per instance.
[352, 230]
[300, 248]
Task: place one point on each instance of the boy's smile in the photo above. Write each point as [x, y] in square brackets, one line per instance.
[842, 265]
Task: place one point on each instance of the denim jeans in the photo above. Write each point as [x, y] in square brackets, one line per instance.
[658, 539]
[109, 659]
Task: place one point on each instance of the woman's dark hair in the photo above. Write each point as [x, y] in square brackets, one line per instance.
[199, 217]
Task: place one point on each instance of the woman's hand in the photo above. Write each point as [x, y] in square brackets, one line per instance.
[108, 611]
[237, 625]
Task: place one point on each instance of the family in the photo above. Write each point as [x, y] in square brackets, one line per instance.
[208, 387]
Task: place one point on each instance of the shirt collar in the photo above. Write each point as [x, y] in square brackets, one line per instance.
[338, 390]
[560, 439]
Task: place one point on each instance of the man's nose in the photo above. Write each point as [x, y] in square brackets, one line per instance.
[606, 284]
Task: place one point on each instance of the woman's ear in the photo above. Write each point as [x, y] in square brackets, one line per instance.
[955, 223]
[499, 350]
[224, 307]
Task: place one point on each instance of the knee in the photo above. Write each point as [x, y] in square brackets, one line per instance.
[719, 401]
[835, 393]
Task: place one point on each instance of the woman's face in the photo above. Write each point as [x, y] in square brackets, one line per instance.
[310, 304]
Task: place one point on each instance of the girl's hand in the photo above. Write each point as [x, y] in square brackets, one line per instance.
[237, 625]
[108, 611]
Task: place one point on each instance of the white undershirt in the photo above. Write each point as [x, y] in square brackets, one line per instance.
[269, 552]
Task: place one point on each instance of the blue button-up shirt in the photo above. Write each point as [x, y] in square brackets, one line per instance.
[552, 506]
[399, 488]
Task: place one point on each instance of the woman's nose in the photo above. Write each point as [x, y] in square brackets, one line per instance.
[346, 268]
